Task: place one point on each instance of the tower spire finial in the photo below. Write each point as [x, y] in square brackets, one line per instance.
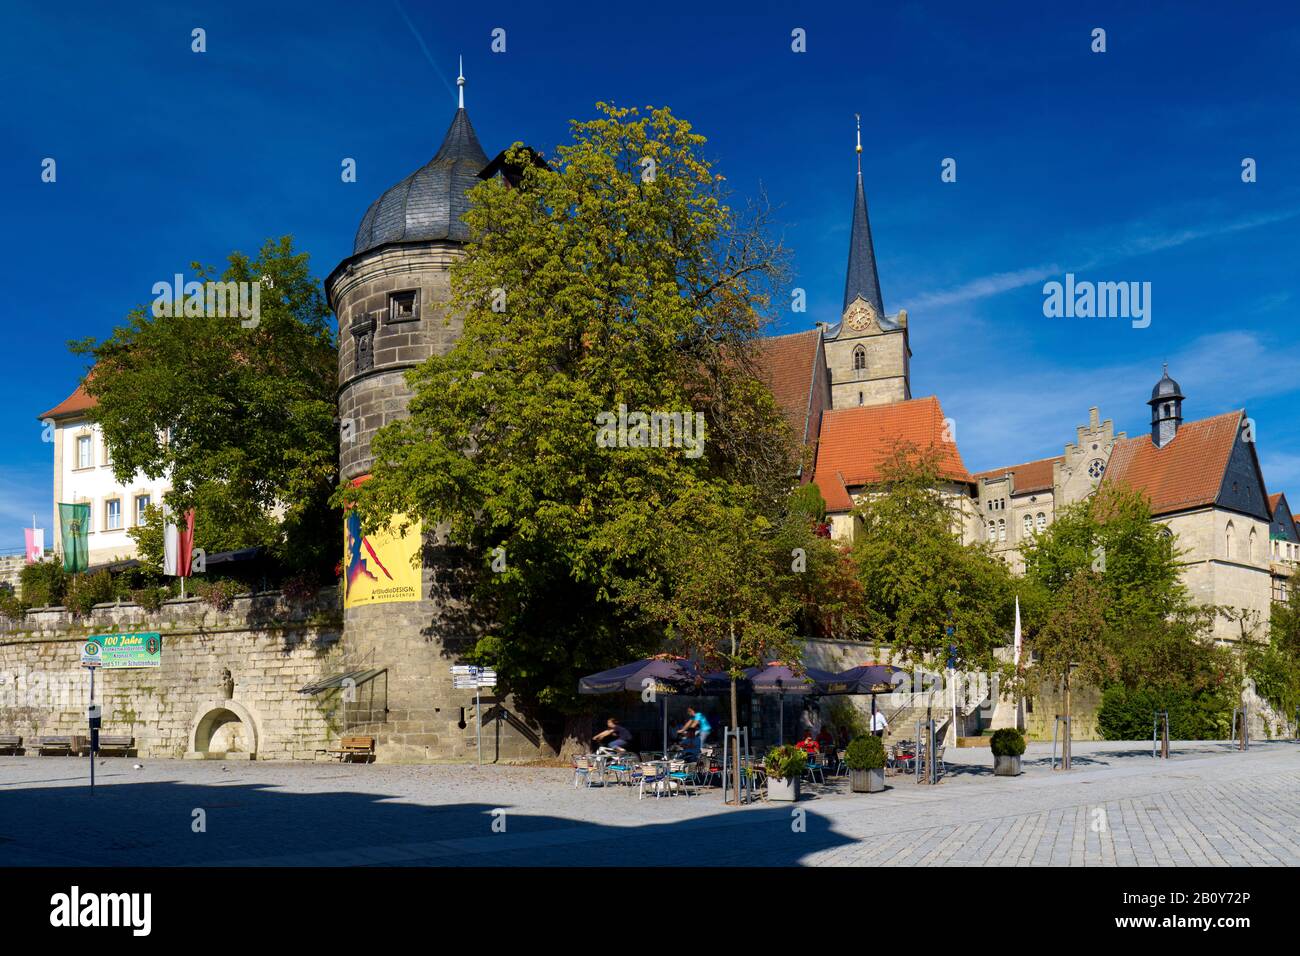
[857, 117]
[460, 84]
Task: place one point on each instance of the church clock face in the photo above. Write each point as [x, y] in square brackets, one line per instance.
[860, 316]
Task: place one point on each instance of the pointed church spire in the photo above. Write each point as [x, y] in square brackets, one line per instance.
[460, 84]
[862, 279]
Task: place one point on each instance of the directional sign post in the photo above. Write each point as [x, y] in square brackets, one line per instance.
[470, 677]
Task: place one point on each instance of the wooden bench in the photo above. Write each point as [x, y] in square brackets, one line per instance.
[350, 749]
[11, 744]
[117, 746]
[62, 746]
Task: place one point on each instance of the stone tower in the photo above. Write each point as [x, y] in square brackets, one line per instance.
[867, 352]
[390, 299]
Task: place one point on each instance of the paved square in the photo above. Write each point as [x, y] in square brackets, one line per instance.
[1207, 806]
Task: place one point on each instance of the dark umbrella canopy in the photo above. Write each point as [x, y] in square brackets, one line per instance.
[866, 679]
[778, 678]
[667, 675]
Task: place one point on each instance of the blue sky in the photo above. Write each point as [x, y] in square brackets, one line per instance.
[1119, 166]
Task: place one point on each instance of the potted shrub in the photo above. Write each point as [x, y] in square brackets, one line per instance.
[865, 758]
[785, 766]
[1007, 746]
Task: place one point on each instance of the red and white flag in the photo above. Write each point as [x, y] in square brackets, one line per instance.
[35, 544]
[178, 547]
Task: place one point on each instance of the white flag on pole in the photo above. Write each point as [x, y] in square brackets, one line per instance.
[1017, 631]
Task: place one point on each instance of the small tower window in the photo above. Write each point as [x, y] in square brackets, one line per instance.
[404, 306]
[363, 334]
[1041, 518]
[859, 359]
[859, 398]
[1096, 469]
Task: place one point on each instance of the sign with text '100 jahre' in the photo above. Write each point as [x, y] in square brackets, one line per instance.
[122, 650]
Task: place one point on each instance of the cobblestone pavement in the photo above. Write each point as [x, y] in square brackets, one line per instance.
[1207, 806]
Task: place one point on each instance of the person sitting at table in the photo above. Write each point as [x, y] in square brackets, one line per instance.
[617, 735]
[809, 744]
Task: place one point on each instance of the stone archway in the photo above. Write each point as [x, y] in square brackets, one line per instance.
[223, 729]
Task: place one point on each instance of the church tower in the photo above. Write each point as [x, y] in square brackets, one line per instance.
[867, 352]
[403, 632]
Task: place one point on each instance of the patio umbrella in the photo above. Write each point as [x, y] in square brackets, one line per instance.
[780, 679]
[663, 673]
[870, 679]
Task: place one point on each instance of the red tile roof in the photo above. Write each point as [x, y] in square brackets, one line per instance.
[75, 404]
[855, 442]
[786, 363]
[1187, 473]
[1030, 476]
[1273, 503]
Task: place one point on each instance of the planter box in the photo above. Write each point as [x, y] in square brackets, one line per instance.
[786, 790]
[867, 781]
[1006, 766]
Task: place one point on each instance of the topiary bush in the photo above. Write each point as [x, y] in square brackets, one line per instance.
[1007, 742]
[786, 763]
[865, 753]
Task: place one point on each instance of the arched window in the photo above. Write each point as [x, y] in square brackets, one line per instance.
[1042, 521]
[859, 359]
[1250, 545]
[993, 530]
[1002, 529]
[1227, 540]
[1029, 524]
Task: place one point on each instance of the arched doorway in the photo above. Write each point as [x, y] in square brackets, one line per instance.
[223, 729]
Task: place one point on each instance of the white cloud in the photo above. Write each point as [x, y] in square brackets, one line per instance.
[1137, 238]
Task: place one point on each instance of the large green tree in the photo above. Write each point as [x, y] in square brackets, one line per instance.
[1105, 605]
[238, 413]
[919, 579]
[618, 277]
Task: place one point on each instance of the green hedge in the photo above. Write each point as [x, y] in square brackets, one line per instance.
[865, 753]
[1127, 714]
[1007, 742]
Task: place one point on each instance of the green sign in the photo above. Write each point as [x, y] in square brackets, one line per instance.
[123, 650]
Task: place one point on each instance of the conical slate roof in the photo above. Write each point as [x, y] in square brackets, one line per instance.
[862, 279]
[429, 203]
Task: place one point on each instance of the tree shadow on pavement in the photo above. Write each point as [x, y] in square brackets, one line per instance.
[172, 823]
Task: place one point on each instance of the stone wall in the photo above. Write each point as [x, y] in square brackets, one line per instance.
[231, 678]
[10, 567]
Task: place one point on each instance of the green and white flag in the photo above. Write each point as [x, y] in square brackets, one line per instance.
[74, 523]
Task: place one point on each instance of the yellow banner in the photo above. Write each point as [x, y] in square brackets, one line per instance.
[380, 568]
